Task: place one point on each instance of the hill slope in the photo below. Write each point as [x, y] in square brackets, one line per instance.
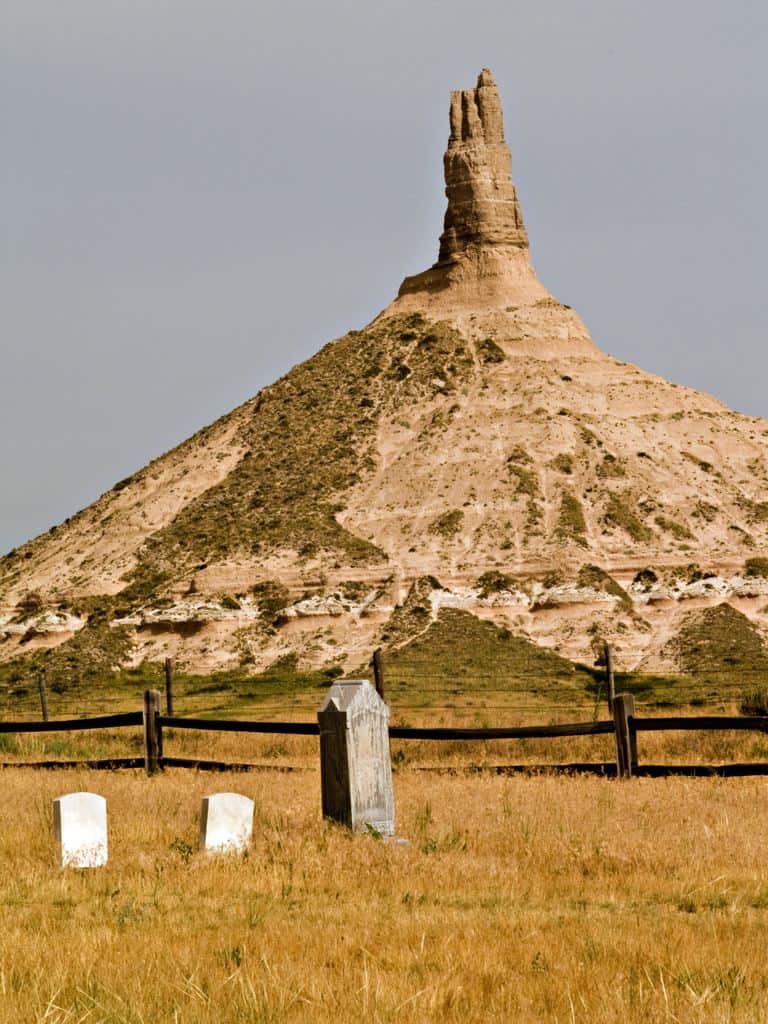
[472, 436]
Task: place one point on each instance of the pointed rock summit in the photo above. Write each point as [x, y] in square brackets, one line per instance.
[484, 260]
[483, 208]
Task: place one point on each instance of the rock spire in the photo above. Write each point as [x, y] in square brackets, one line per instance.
[483, 209]
[484, 260]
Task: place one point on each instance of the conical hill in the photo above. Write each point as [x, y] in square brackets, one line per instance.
[471, 450]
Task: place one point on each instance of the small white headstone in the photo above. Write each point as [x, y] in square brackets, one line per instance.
[226, 823]
[80, 829]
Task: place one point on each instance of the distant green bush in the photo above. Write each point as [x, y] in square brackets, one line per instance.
[754, 701]
[448, 524]
[570, 519]
[620, 512]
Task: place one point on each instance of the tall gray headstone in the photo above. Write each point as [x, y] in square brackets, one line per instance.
[80, 829]
[226, 823]
[356, 770]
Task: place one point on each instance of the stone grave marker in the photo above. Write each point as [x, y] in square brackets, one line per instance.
[355, 765]
[226, 823]
[80, 830]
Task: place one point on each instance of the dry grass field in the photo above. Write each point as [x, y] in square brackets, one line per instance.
[541, 898]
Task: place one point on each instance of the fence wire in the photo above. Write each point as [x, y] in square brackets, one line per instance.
[521, 692]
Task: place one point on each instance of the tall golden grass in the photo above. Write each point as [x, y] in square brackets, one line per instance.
[534, 899]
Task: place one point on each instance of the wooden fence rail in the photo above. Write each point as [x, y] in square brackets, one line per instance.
[133, 718]
[625, 726]
[702, 722]
[240, 725]
[519, 732]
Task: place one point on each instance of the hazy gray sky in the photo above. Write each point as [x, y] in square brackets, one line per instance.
[195, 196]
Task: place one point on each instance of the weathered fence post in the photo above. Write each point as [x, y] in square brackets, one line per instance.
[608, 655]
[378, 672]
[153, 735]
[355, 766]
[43, 695]
[168, 687]
[626, 738]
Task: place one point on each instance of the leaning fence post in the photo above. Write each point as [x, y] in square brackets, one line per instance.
[608, 655]
[153, 736]
[355, 766]
[169, 687]
[378, 672]
[43, 695]
[626, 744]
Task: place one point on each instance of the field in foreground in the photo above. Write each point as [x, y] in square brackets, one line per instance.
[518, 899]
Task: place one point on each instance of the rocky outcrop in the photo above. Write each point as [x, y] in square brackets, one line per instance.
[484, 260]
[483, 208]
[480, 439]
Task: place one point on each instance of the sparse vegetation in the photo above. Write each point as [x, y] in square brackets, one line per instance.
[678, 530]
[273, 599]
[490, 352]
[619, 512]
[756, 567]
[755, 700]
[460, 649]
[704, 510]
[720, 645]
[690, 573]
[526, 481]
[413, 615]
[145, 584]
[758, 511]
[307, 437]
[570, 519]
[89, 662]
[448, 524]
[646, 578]
[610, 467]
[31, 603]
[563, 463]
[354, 590]
[598, 579]
[493, 582]
[703, 464]
[589, 438]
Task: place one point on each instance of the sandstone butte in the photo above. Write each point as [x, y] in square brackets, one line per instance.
[470, 449]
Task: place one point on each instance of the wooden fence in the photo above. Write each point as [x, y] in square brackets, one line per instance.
[624, 726]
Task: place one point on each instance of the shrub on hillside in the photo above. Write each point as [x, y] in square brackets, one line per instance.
[754, 701]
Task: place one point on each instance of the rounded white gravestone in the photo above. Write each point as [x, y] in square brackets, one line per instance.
[80, 829]
[226, 823]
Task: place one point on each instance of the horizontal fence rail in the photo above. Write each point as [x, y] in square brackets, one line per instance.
[520, 732]
[75, 724]
[624, 726]
[702, 722]
[240, 725]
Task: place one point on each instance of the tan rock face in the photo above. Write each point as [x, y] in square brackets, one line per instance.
[483, 209]
[484, 259]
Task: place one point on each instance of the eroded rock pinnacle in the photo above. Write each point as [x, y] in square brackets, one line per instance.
[484, 261]
[483, 208]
